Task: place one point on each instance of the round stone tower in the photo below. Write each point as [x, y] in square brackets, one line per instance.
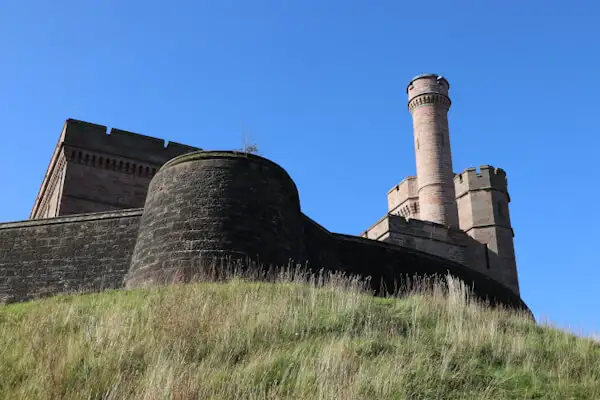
[211, 204]
[428, 102]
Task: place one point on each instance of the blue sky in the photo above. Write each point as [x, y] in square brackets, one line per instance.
[320, 87]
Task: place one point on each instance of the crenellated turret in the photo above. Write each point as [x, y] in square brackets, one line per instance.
[483, 208]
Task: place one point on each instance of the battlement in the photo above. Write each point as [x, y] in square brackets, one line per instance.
[392, 223]
[428, 89]
[119, 142]
[426, 80]
[429, 229]
[487, 177]
[403, 192]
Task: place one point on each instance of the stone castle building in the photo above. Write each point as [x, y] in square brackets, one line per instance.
[122, 209]
[468, 212]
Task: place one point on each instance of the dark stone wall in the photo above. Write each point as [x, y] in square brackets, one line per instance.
[389, 265]
[85, 252]
[321, 246]
[214, 204]
[93, 252]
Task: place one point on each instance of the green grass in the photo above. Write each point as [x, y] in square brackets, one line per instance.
[247, 340]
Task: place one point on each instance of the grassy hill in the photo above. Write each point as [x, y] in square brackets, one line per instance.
[245, 340]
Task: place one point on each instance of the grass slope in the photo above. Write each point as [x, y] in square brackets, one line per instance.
[244, 340]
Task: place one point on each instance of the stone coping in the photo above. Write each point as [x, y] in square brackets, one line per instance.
[134, 212]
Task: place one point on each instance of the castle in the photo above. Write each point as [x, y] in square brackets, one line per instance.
[120, 209]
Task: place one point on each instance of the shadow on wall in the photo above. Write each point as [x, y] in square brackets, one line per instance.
[390, 266]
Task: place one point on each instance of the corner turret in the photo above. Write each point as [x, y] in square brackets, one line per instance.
[483, 207]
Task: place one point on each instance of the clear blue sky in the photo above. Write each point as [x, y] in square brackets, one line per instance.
[320, 87]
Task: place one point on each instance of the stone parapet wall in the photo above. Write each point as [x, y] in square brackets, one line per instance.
[435, 239]
[486, 178]
[403, 199]
[118, 142]
[93, 252]
[43, 257]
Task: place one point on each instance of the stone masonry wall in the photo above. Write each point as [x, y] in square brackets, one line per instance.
[103, 171]
[213, 204]
[431, 238]
[403, 199]
[388, 264]
[39, 258]
[93, 184]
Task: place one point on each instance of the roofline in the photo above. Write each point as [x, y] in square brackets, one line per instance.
[428, 75]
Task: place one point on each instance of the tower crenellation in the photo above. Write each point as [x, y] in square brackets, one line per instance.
[486, 177]
[403, 199]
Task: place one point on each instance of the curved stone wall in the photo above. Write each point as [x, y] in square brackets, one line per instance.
[208, 204]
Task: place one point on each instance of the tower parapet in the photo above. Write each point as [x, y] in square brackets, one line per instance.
[428, 102]
[403, 198]
[491, 183]
[487, 177]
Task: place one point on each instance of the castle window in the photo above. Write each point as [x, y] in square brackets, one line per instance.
[147, 171]
[120, 165]
[101, 162]
[87, 159]
[153, 171]
[141, 170]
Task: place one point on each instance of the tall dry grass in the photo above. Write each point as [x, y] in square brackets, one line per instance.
[293, 337]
